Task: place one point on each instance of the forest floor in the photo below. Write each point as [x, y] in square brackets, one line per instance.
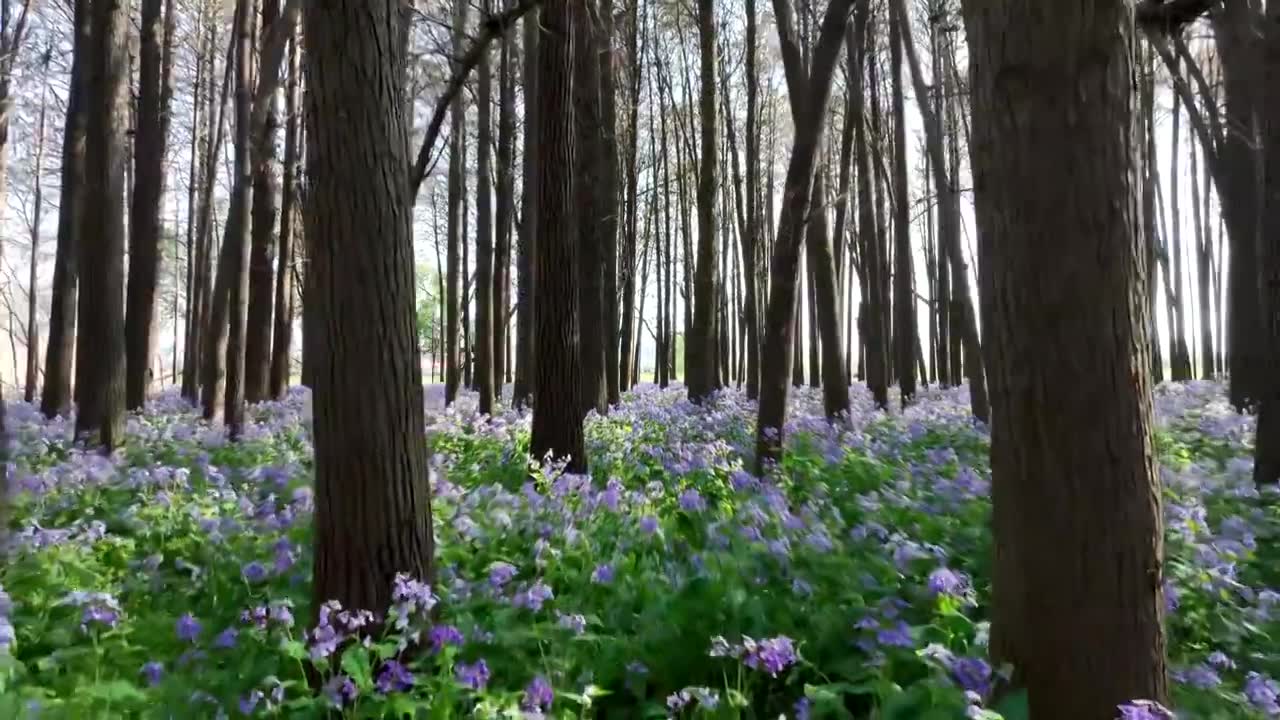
[173, 580]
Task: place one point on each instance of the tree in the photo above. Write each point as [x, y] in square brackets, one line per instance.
[484, 347]
[521, 386]
[373, 504]
[100, 419]
[1266, 463]
[589, 155]
[155, 89]
[457, 188]
[700, 354]
[282, 336]
[904, 306]
[33, 325]
[1076, 498]
[557, 414]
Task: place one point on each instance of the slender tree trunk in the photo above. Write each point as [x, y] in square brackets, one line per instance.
[873, 330]
[629, 341]
[700, 354]
[818, 254]
[904, 305]
[609, 203]
[1181, 367]
[1146, 95]
[1074, 483]
[484, 348]
[33, 323]
[1204, 263]
[457, 189]
[282, 337]
[588, 187]
[100, 420]
[557, 415]
[522, 387]
[505, 196]
[236, 246]
[373, 504]
[56, 397]
[194, 248]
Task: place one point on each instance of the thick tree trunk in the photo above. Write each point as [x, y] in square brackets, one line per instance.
[522, 386]
[100, 420]
[282, 336]
[1266, 461]
[373, 505]
[809, 98]
[904, 305]
[55, 399]
[457, 189]
[154, 92]
[557, 415]
[1074, 483]
[700, 355]
[484, 348]
[751, 237]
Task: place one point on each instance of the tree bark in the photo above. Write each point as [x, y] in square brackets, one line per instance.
[505, 197]
[875, 334]
[236, 246]
[700, 356]
[609, 197]
[557, 416]
[1074, 482]
[1266, 462]
[484, 347]
[282, 336]
[373, 504]
[457, 188]
[100, 419]
[33, 323]
[589, 112]
[55, 399]
[904, 305]
[522, 386]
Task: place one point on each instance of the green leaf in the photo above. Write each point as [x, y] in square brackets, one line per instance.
[116, 691]
[355, 662]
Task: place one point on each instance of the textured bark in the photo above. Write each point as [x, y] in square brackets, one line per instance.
[100, 418]
[872, 330]
[33, 324]
[751, 236]
[521, 387]
[1074, 482]
[557, 415]
[588, 182]
[1266, 462]
[264, 214]
[484, 347]
[373, 504]
[457, 188]
[629, 326]
[194, 249]
[155, 88]
[904, 306]
[55, 399]
[505, 203]
[1146, 95]
[282, 335]
[700, 355]
[1204, 266]
[809, 96]
[1180, 367]
[235, 245]
[609, 199]
[835, 384]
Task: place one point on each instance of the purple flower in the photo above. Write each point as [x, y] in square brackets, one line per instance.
[534, 597]
[188, 628]
[253, 572]
[801, 709]
[100, 615]
[1201, 677]
[692, 501]
[538, 695]
[649, 524]
[394, 677]
[973, 674]
[1144, 710]
[1220, 660]
[577, 624]
[1263, 693]
[501, 573]
[945, 581]
[153, 671]
[340, 690]
[603, 574]
[771, 656]
[897, 636]
[441, 635]
[474, 675]
[226, 639]
[249, 702]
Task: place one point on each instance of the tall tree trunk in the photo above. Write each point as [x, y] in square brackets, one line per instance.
[818, 255]
[962, 314]
[373, 504]
[630, 327]
[1204, 263]
[1180, 368]
[1074, 483]
[816, 208]
[505, 197]
[522, 386]
[1266, 461]
[282, 336]
[457, 189]
[266, 198]
[155, 89]
[589, 113]
[195, 258]
[100, 420]
[751, 235]
[236, 245]
[484, 347]
[873, 331]
[700, 355]
[609, 200]
[33, 323]
[809, 97]
[557, 415]
[55, 399]
[1146, 95]
[904, 304]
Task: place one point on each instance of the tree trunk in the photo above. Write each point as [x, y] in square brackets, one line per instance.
[457, 189]
[1204, 263]
[33, 324]
[874, 332]
[818, 255]
[484, 347]
[1146, 100]
[629, 341]
[1266, 462]
[155, 89]
[700, 355]
[1180, 368]
[100, 420]
[261, 272]
[236, 245]
[56, 397]
[751, 236]
[609, 208]
[809, 97]
[282, 337]
[373, 505]
[1074, 484]
[589, 112]
[904, 304]
[557, 416]
[505, 197]
[521, 388]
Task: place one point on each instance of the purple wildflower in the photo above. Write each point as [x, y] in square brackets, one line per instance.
[538, 695]
[603, 574]
[187, 628]
[394, 677]
[474, 675]
[340, 690]
[442, 635]
[771, 656]
[1144, 710]
[153, 671]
